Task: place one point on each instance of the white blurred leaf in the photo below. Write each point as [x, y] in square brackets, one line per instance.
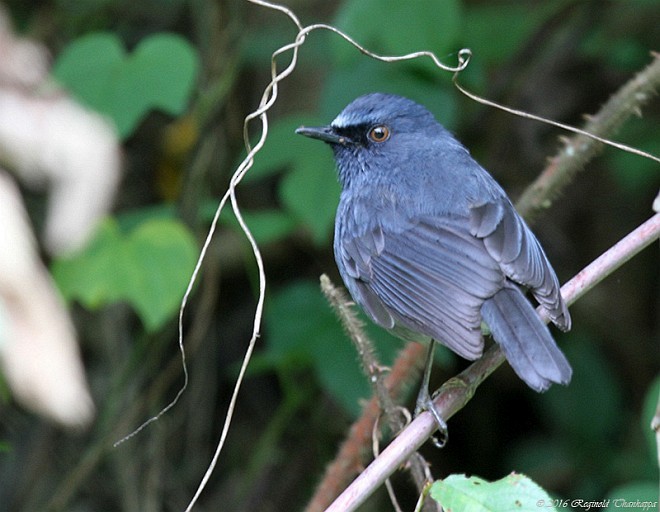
[39, 355]
[23, 63]
[49, 140]
[54, 141]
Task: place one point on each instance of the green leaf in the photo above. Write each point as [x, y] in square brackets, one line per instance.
[163, 69]
[148, 267]
[131, 219]
[625, 50]
[97, 275]
[309, 190]
[393, 27]
[514, 492]
[302, 330]
[283, 147]
[367, 75]
[265, 226]
[159, 74]
[163, 254]
[87, 67]
[483, 32]
[593, 384]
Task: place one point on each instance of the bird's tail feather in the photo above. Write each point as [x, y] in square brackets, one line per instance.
[525, 340]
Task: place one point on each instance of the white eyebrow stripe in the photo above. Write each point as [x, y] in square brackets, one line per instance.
[345, 120]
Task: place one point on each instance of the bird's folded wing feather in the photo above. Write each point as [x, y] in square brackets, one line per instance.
[430, 277]
[515, 248]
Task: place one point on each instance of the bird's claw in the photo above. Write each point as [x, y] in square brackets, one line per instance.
[426, 403]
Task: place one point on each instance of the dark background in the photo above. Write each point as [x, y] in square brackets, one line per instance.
[560, 59]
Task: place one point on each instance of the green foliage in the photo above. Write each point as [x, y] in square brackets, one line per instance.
[302, 331]
[309, 190]
[473, 494]
[159, 74]
[348, 82]
[392, 27]
[643, 488]
[148, 267]
[584, 430]
[483, 24]
[594, 383]
[621, 48]
[266, 226]
[315, 338]
[636, 175]
[582, 441]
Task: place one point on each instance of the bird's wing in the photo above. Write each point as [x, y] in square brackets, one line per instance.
[515, 248]
[429, 277]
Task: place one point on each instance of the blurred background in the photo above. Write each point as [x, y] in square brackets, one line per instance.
[175, 79]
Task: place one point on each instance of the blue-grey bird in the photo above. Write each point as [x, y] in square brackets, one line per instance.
[429, 244]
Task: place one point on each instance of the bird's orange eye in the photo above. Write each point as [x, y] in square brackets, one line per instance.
[379, 133]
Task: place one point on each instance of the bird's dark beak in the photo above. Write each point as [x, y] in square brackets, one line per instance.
[324, 133]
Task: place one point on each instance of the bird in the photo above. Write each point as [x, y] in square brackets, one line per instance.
[430, 246]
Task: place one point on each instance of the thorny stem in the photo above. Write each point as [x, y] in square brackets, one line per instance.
[338, 475]
[354, 327]
[579, 149]
[350, 457]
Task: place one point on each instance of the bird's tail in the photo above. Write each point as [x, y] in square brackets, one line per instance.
[525, 340]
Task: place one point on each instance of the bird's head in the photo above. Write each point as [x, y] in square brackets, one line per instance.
[376, 131]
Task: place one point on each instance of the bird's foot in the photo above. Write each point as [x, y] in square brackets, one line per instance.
[425, 403]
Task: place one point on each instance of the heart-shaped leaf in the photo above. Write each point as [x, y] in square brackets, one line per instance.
[393, 27]
[302, 330]
[158, 74]
[309, 189]
[148, 267]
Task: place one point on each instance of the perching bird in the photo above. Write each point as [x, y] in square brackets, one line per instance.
[429, 245]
